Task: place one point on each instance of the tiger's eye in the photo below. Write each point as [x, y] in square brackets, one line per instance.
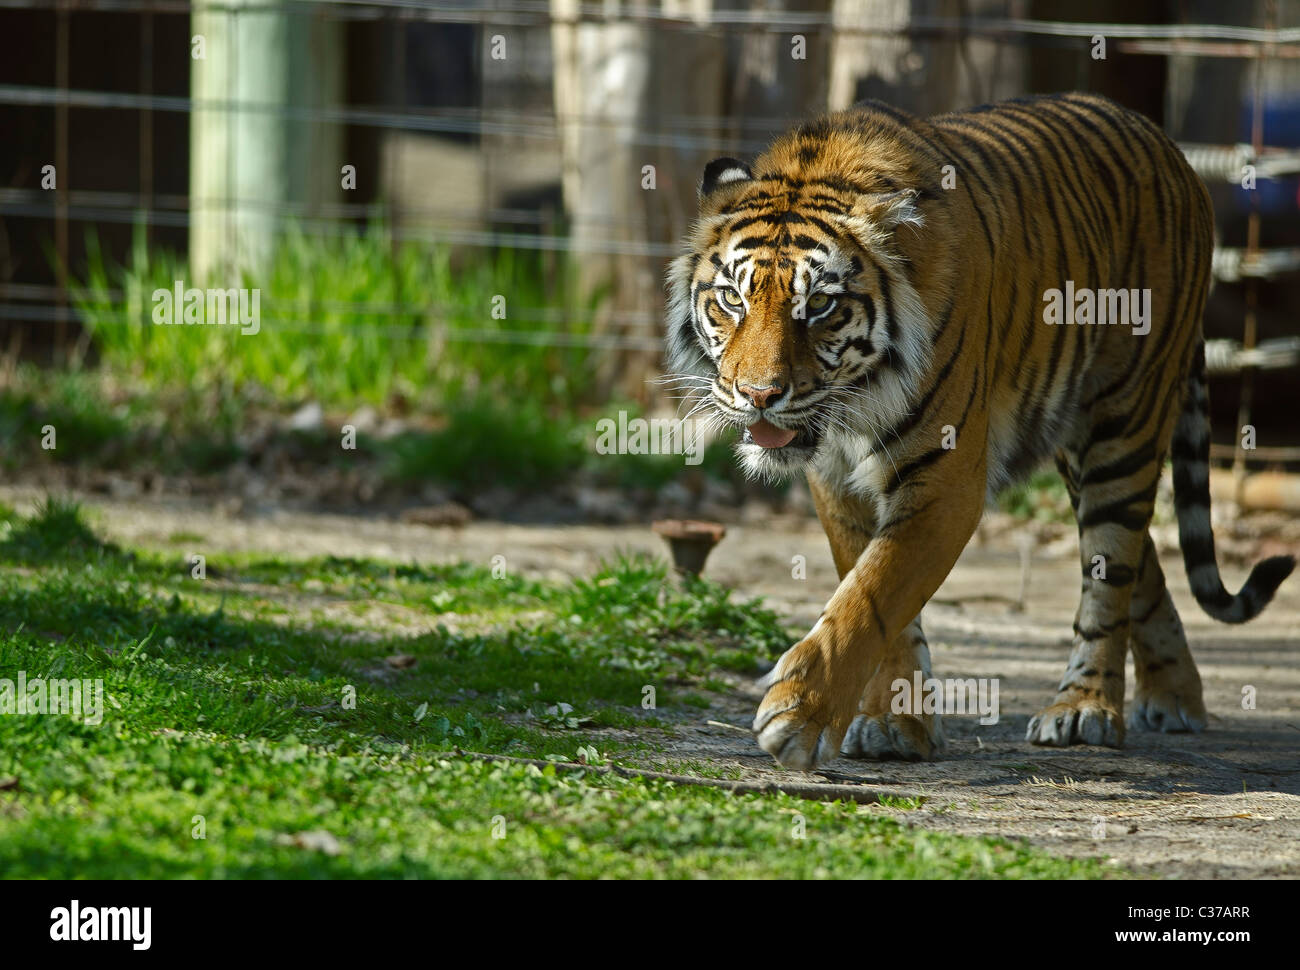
[732, 298]
[818, 301]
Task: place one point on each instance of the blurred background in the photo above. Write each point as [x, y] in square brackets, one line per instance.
[458, 216]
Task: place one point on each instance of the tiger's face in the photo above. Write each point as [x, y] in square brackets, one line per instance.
[792, 318]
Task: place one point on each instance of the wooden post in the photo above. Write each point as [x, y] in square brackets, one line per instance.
[255, 152]
[625, 187]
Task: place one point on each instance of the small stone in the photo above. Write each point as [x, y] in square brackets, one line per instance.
[309, 417]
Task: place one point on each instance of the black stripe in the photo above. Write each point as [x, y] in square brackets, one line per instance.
[1089, 207]
[934, 454]
[1117, 576]
[975, 204]
[1122, 513]
[840, 184]
[923, 405]
[861, 344]
[891, 323]
[1130, 464]
[1098, 633]
[1139, 620]
[898, 520]
[1009, 177]
[875, 614]
[808, 244]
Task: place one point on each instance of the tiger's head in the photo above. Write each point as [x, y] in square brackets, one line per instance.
[793, 312]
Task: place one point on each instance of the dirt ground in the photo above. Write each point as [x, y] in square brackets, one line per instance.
[1222, 804]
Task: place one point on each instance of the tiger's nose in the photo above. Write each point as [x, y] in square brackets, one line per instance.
[761, 396]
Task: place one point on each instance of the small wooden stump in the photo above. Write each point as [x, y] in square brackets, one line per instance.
[690, 543]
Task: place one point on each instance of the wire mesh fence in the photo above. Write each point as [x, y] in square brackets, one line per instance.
[506, 156]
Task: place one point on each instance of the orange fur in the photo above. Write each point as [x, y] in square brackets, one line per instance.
[875, 284]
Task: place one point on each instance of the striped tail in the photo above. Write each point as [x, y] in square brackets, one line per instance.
[1191, 458]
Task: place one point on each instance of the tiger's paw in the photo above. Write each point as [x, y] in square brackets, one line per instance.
[894, 736]
[1168, 711]
[1077, 722]
[799, 722]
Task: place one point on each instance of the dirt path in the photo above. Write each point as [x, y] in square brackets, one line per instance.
[1222, 804]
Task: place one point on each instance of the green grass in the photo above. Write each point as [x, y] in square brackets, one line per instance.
[352, 318]
[409, 328]
[482, 441]
[1042, 497]
[229, 709]
[488, 440]
[98, 423]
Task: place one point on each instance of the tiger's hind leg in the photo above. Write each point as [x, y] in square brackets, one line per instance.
[1168, 696]
[1113, 495]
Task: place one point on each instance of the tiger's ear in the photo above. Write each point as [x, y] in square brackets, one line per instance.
[890, 210]
[720, 172]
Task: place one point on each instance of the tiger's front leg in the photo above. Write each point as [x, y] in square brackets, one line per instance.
[930, 509]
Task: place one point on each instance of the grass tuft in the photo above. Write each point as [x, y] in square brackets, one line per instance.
[56, 532]
[244, 732]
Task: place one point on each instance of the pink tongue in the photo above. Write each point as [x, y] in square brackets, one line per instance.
[769, 435]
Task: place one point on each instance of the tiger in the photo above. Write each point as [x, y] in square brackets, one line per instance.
[880, 302]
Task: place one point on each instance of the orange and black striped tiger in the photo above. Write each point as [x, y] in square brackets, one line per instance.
[918, 311]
